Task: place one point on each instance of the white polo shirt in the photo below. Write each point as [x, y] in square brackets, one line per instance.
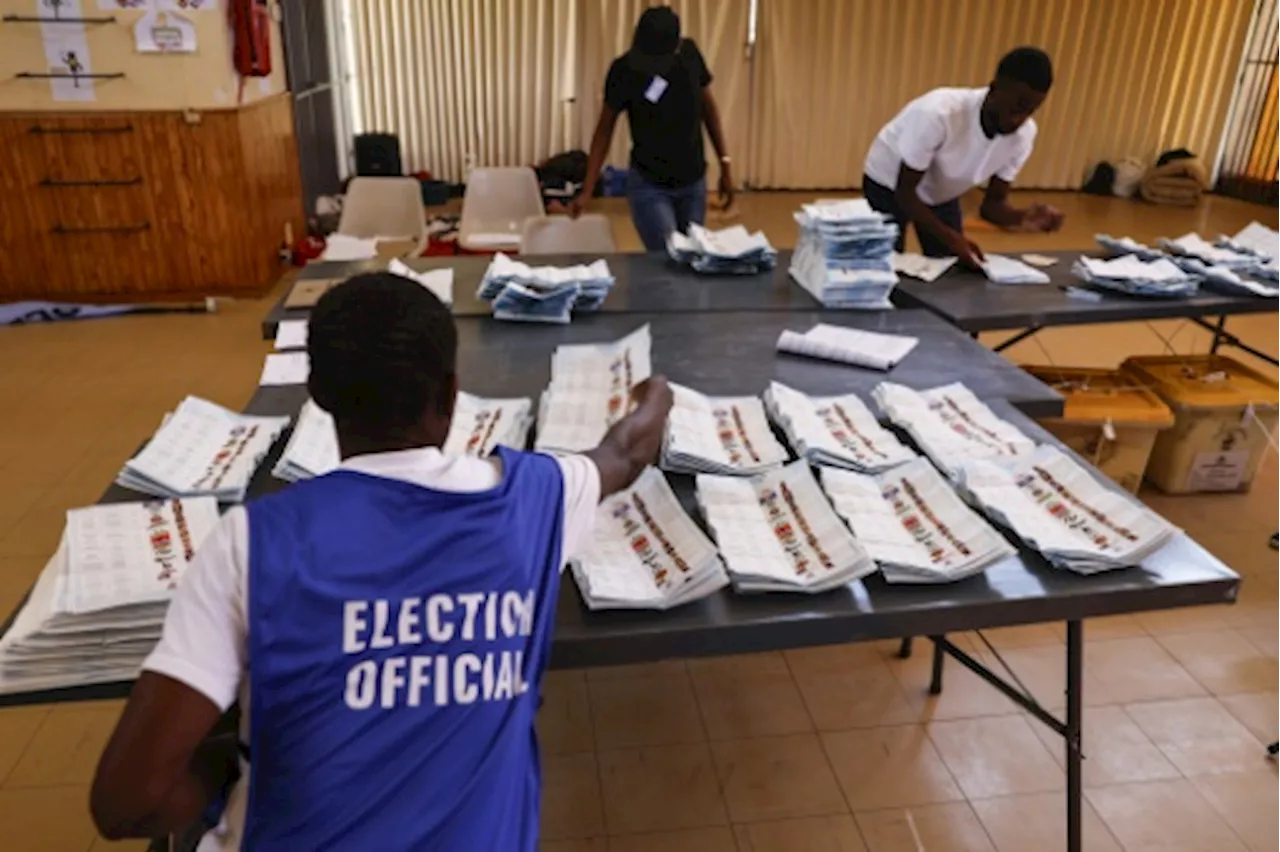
[940, 134]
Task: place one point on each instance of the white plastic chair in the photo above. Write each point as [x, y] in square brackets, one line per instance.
[495, 207]
[588, 234]
[386, 207]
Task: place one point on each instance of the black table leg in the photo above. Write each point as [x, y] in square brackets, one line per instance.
[1017, 338]
[1217, 335]
[939, 657]
[1075, 712]
[904, 650]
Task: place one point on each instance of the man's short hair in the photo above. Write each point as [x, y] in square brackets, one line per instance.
[1028, 65]
[383, 350]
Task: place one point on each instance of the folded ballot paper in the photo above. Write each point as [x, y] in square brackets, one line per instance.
[913, 524]
[438, 281]
[590, 390]
[1255, 239]
[868, 349]
[728, 435]
[521, 292]
[1222, 279]
[202, 449]
[843, 254]
[646, 552]
[950, 424]
[1058, 508]
[1119, 246]
[732, 251]
[778, 533]
[928, 269]
[98, 607]
[1160, 278]
[1001, 269]
[835, 431]
[1194, 245]
[291, 334]
[312, 448]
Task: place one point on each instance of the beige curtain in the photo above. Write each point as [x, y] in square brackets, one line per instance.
[485, 82]
[1134, 77]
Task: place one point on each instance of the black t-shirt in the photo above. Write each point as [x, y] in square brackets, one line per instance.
[666, 122]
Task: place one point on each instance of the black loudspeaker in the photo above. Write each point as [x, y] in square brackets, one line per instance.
[378, 155]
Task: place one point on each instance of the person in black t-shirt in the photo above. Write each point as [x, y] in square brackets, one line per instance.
[663, 85]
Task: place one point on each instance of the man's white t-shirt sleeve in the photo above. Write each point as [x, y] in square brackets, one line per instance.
[204, 640]
[921, 133]
[1026, 142]
[581, 497]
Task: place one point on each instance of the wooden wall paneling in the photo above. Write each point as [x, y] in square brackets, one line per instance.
[273, 180]
[24, 256]
[172, 211]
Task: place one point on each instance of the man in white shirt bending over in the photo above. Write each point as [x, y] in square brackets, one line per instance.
[948, 141]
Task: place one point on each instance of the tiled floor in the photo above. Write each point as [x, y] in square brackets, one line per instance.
[819, 750]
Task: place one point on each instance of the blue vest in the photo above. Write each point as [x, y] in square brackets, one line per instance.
[397, 640]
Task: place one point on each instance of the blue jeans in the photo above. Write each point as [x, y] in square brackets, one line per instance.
[657, 211]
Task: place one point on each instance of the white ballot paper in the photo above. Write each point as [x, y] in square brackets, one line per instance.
[928, 269]
[438, 281]
[913, 524]
[838, 431]
[647, 553]
[1259, 239]
[868, 349]
[312, 449]
[778, 533]
[291, 334]
[718, 434]
[950, 424]
[1058, 508]
[285, 368]
[344, 247]
[1001, 269]
[590, 390]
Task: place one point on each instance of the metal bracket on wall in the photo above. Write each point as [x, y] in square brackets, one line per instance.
[119, 128]
[101, 229]
[50, 182]
[55, 19]
[31, 75]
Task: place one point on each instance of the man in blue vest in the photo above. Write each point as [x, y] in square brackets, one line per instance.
[384, 627]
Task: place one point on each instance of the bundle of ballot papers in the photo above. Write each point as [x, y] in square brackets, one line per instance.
[1255, 239]
[1130, 274]
[843, 254]
[312, 449]
[202, 449]
[647, 553]
[590, 390]
[836, 431]
[911, 522]
[1194, 245]
[778, 533]
[950, 424]
[732, 251]
[727, 435]
[98, 607]
[1222, 279]
[518, 291]
[1119, 246]
[1061, 510]
[868, 349]
[1001, 269]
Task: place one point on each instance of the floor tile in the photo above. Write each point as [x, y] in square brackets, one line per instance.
[49, 819]
[1194, 619]
[995, 757]
[1224, 662]
[1198, 735]
[1265, 639]
[739, 665]
[1039, 821]
[811, 834]
[66, 748]
[715, 839]
[1023, 636]
[642, 711]
[777, 778]
[964, 694]
[1121, 671]
[850, 686]
[1115, 749]
[1161, 816]
[934, 828]
[889, 768]
[738, 704]
[18, 726]
[660, 789]
[571, 802]
[1112, 627]
[101, 845]
[660, 668]
[564, 719]
[578, 844]
[1256, 711]
[1247, 801]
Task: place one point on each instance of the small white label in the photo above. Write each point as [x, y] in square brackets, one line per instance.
[657, 86]
[1218, 471]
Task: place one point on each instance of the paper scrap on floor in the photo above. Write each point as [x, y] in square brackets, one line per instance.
[285, 368]
[916, 265]
[1000, 269]
[1041, 261]
[868, 349]
[291, 334]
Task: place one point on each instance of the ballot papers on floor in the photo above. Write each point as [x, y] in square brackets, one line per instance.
[950, 424]
[1220, 279]
[521, 292]
[728, 435]
[1058, 508]
[98, 607]
[731, 251]
[843, 255]
[590, 390]
[837, 431]
[778, 533]
[647, 553]
[1194, 245]
[202, 449]
[1001, 269]
[1161, 278]
[911, 522]
[869, 349]
[1120, 246]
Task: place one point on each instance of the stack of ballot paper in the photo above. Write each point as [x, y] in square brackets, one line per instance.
[202, 449]
[843, 254]
[312, 449]
[732, 251]
[728, 435]
[1058, 508]
[950, 424]
[1001, 269]
[1120, 246]
[837, 431]
[1136, 277]
[1194, 245]
[646, 552]
[1222, 279]
[918, 266]
[868, 349]
[590, 390]
[98, 607]
[291, 334]
[913, 524]
[285, 368]
[543, 293]
[438, 281]
[778, 533]
[1255, 239]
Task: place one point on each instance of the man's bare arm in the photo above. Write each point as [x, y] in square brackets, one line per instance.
[634, 441]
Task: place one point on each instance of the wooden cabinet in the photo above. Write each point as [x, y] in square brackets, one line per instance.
[141, 206]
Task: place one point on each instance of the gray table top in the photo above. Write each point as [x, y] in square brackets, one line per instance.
[972, 303]
[644, 283]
